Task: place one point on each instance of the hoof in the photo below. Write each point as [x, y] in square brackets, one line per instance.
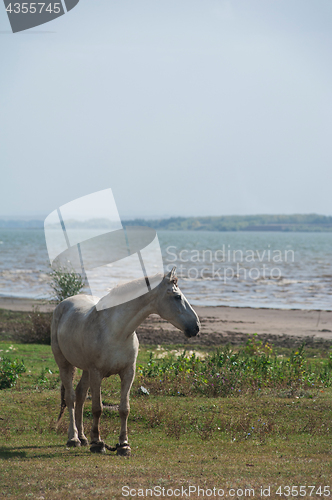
[123, 451]
[73, 443]
[98, 447]
[84, 441]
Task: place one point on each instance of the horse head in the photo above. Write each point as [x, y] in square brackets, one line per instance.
[173, 306]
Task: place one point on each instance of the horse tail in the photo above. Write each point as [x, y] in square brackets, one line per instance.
[62, 405]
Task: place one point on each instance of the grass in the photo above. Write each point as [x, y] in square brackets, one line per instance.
[259, 438]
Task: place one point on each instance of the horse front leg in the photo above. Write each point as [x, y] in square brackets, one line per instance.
[81, 392]
[127, 377]
[97, 446]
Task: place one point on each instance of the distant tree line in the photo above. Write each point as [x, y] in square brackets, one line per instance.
[296, 222]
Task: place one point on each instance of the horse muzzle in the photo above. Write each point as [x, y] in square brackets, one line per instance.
[193, 331]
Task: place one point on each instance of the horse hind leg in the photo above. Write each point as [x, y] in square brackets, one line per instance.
[81, 392]
[67, 372]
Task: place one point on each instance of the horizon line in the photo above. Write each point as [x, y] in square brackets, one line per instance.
[41, 218]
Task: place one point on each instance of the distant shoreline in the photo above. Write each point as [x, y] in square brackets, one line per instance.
[274, 223]
[45, 305]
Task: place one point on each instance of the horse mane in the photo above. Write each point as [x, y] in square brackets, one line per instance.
[131, 288]
[134, 284]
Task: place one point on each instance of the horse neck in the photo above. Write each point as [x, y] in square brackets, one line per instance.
[130, 315]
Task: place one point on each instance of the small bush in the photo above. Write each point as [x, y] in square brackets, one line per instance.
[65, 284]
[9, 372]
[40, 330]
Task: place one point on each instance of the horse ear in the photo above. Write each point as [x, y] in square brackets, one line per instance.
[172, 275]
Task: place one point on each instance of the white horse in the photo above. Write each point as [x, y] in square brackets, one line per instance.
[104, 343]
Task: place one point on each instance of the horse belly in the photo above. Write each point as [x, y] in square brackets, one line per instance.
[118, 357]
[73, 350]
[87, 350]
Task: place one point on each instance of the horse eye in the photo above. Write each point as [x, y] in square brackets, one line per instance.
[177, 297]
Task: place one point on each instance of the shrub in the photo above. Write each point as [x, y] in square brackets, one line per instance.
[65, 284]
[225, 372]
[9, 372]
[40, 330]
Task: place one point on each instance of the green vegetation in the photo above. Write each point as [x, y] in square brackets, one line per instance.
[10, 369]
[65, 283]
[279, 435]
[227, 373]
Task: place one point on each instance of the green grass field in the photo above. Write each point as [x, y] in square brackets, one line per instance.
[256, 438]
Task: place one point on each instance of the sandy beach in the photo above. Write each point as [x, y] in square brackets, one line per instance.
[24, 305]
[224, 324]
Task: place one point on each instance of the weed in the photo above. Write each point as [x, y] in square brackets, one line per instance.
[204, 426]
[9, 372]
[154, 416]
[174, 426]
[254, 346]
[44, 381]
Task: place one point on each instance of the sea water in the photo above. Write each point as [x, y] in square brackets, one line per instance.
[255, 269]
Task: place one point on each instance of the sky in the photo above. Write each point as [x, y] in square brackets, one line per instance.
[181, 107]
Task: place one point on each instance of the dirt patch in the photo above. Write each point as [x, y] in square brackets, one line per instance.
[220, 326]
[155, 330]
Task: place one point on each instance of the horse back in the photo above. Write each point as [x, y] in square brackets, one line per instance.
[80, 335]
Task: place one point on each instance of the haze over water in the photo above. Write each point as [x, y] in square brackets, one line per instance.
[256, 269]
